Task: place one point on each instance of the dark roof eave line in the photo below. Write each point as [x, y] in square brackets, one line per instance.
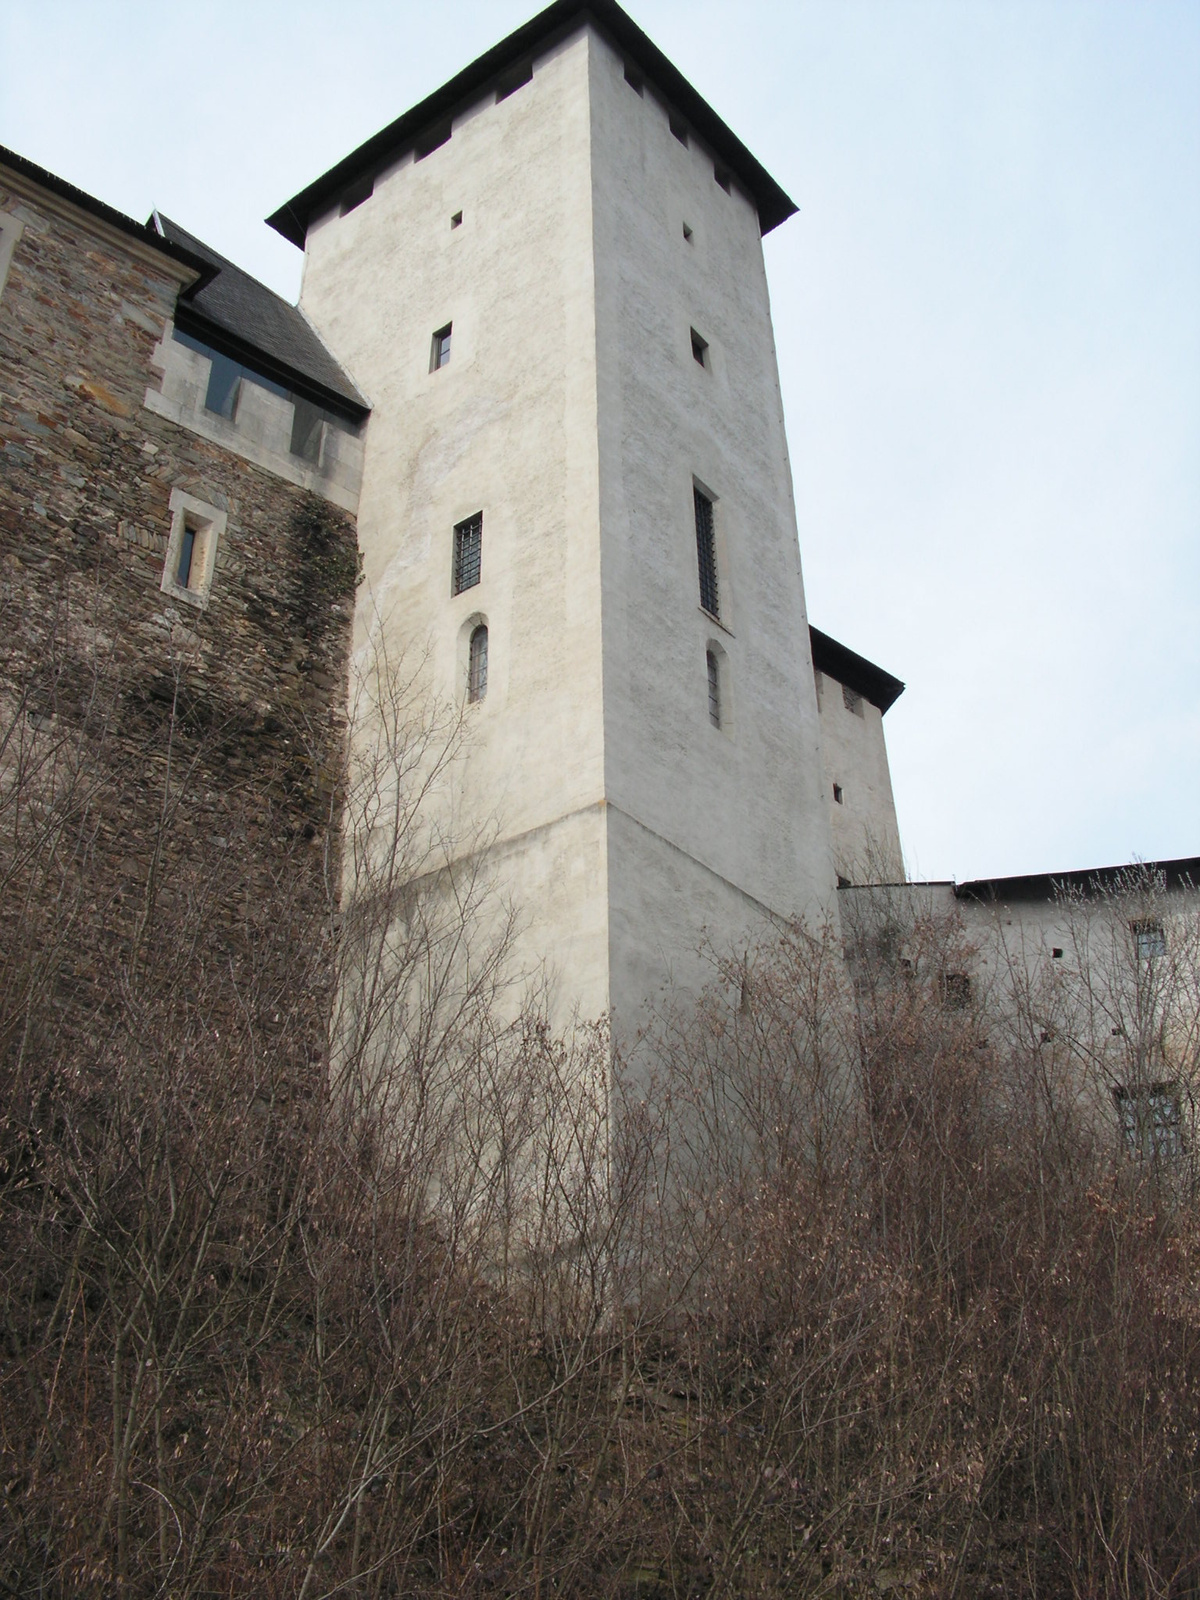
[191, 319]
[555, 22]
[838, 661]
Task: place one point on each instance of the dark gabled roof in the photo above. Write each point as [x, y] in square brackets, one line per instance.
[244, 319]
[292, 220]
[855, 671]
[1183, 873]
[140, 231]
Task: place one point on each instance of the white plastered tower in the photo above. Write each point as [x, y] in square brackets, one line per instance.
[587, 230]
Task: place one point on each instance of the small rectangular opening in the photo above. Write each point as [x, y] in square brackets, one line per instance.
[634, 79]
[837, 793]
[687, 233]
[1056, 954]
[699, 349]
[852, 701]
[433, 140]
[307, 430]
[187, 551]
[513, 81]
[723, 178]
[956, 991]
[678, 128]
[456, 220]
[439, 355]
[357, 193]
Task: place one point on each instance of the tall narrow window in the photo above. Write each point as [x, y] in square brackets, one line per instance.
[699, 349]
[468, 553]
[477, 667]
[187, 549]
[439, 356]
[706, 554]
[714, 688]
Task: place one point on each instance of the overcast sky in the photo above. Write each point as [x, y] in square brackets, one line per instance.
[987, 313]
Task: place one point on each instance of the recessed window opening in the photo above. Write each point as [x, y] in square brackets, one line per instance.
[477, 665]
[687, 233]
[706, 553]
[634, 79]
[699, 349]
[433, 140]
[1150, 1121]
[512, 81]
[837, 793]
[456, 220]
[1149, 940]
[468, 553]
[852, 701]
[956, 991]
[225, 380]
[678, 128]
[439, 355]
[714, 688]
[308, 430]
[723, 178]
[1056, 954]
[187, 549]
[356, 194]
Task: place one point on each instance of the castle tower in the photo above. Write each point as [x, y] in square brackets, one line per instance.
[548, 281]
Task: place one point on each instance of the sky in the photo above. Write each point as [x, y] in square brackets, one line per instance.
[987, 314]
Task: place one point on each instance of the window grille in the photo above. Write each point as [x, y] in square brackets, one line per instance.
[468, 552]
[1149, 940]
[439, 356]
[1150, 1121]
[477, 672]
[706, 554]
[714, 689]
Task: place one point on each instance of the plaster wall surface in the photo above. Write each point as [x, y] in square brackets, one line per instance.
[713, 829]
[506, 428]
[866, 836]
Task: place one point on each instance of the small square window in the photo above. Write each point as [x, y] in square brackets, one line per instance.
[456, 220]
[439, 355]
[196, 530]
[1056, 954]
[468, 553]
[723, 178]
[699, 349]
[956, 991]
[678, 128]
[852, 701]
[1149, 940]
[837, 793]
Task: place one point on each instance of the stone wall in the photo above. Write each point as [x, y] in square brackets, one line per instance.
[168, 772]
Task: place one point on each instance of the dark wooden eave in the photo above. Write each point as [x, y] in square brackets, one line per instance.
[855, 671]
[490, 69]
[1181, 873]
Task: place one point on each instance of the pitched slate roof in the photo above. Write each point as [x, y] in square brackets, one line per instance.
[244, 319]
[555, 22]
[1181, 873]
[855, 671]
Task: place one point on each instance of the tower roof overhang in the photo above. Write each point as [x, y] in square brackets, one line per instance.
[556, 22]
[856, 672]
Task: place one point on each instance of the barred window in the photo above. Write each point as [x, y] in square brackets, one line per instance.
[468, 552]
[1149, 940]
[1151, 1124]
[714, 689]
[477, 670]
[706, 554]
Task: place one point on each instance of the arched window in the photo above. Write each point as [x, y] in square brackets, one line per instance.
[477, 664]
[714, 688]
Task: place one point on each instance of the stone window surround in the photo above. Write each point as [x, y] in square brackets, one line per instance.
[11, 229]
[208, 523]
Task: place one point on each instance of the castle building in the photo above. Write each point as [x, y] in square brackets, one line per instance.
[576, 501]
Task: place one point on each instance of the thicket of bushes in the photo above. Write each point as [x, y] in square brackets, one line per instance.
[842, 1291]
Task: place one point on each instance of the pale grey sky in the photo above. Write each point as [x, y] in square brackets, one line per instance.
[987, 313]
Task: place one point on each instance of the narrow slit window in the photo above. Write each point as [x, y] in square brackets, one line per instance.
[687, 233]
[714, 688]
[477, 668]
[468, 552]
[706, 553]
[456, 220]
[439, 355]
[837, 793]
[699, 349]
[187, 550]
